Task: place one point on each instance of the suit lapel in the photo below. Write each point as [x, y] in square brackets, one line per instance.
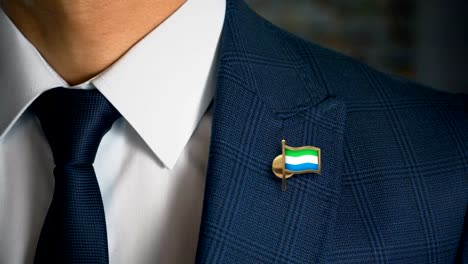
[261, 98]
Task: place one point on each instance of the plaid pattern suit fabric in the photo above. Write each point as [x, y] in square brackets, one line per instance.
[394, 181]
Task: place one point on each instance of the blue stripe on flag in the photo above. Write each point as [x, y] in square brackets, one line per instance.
[301, 167]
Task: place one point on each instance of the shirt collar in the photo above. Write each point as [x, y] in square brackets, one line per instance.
[162, 86]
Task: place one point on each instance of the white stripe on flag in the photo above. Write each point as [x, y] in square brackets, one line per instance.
[301, 159]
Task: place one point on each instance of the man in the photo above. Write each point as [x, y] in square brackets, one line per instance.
[393, 181]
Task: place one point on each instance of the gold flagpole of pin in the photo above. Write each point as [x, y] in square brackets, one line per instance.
[283, 143]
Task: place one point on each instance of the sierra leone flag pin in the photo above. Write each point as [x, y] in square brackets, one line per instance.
[305, 159]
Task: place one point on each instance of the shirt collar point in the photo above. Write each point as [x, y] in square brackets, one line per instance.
[168, 156]
[3, 132]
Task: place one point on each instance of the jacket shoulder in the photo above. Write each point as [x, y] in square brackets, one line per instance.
[285, 69]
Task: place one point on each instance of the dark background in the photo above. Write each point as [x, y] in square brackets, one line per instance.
[424, 40]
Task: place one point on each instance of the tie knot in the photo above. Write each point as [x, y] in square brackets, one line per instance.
[74, 122]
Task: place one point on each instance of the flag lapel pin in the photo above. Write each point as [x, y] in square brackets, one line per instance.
[295, 160]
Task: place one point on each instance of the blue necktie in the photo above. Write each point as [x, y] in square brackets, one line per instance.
[74, 122]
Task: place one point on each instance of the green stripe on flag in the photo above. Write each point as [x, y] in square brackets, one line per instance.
[302, 152]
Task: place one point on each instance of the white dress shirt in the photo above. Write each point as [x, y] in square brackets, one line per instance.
[150, 166]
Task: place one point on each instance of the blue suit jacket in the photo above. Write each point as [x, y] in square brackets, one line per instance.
[394, 181]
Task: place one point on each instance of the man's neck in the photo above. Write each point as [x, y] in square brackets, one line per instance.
[81, 38]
